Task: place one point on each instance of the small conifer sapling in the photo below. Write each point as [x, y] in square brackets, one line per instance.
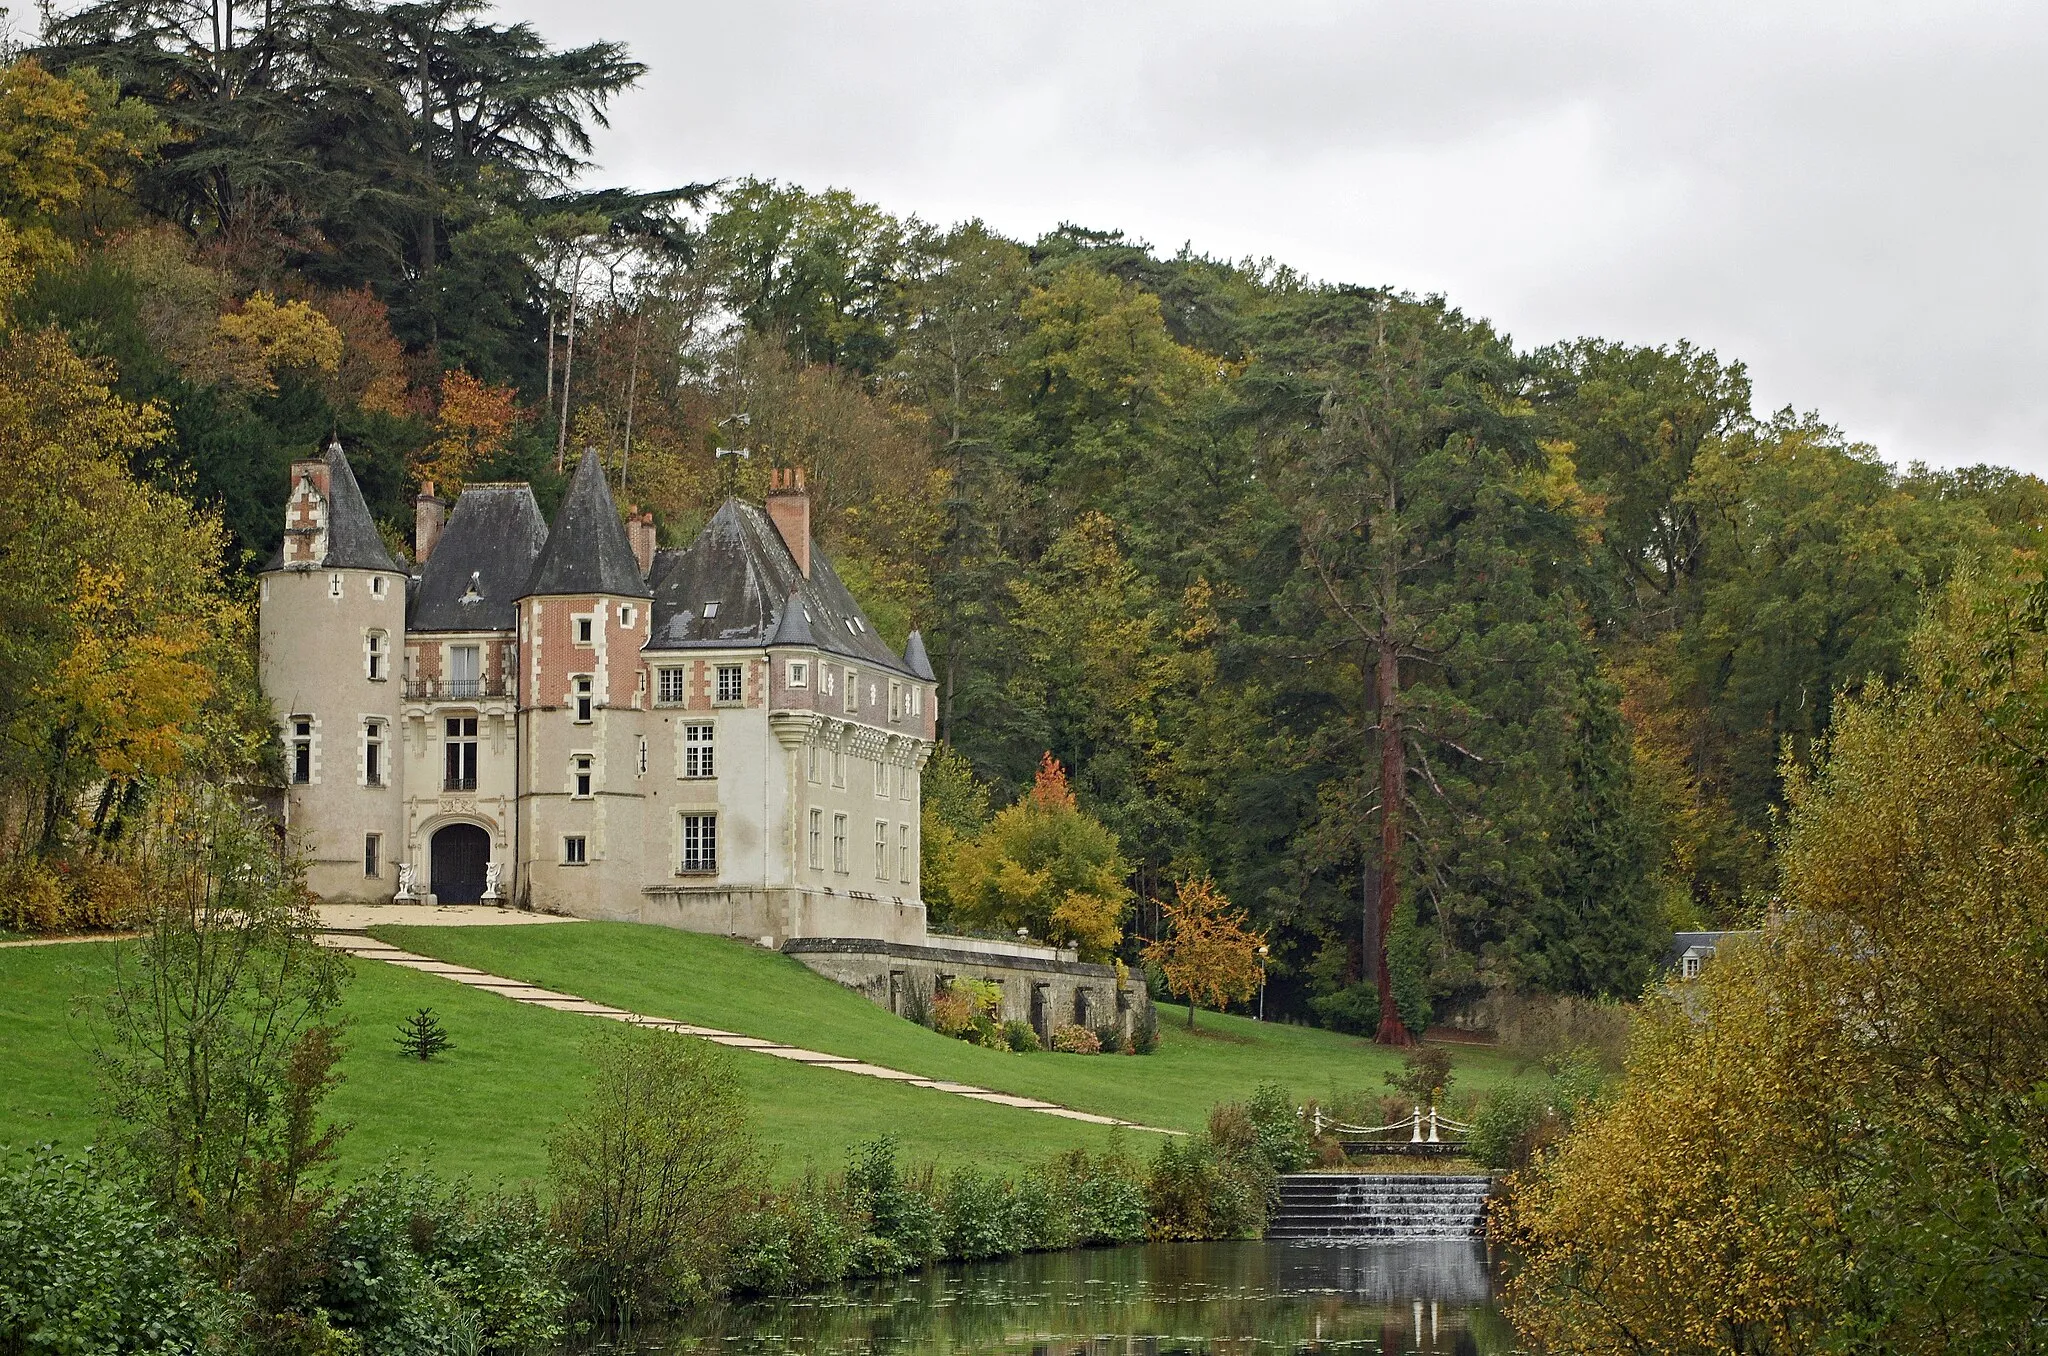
[422, 1036]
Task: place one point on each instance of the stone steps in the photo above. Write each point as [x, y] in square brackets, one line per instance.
[1368, 1207]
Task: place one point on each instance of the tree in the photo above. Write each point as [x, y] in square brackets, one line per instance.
[1046, 865]
[473, 423]
[1209, 954]
[422, 1036]
[650, 1179]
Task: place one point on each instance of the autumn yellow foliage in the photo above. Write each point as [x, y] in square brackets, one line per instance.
[1209, 953]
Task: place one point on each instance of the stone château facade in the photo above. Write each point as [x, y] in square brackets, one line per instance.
[562, 717]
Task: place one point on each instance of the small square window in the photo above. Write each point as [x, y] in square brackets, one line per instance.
[731, 683]
[799, 673]
[700, 842]
[574, 853]
[672, 689]
[710, 611]
[625, 616]
[376, 591]
[584, 628]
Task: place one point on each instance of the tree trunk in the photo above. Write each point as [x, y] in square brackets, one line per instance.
[568, 363]
[1393, 778]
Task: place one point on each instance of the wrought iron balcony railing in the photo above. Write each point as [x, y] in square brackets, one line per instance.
[458, 783]
[454, 689]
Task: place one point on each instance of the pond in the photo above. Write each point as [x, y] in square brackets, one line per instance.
[1160, 1299]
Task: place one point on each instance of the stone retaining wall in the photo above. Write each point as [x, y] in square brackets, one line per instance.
[1045, 993]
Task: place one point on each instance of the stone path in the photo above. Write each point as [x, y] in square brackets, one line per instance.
[369, 948]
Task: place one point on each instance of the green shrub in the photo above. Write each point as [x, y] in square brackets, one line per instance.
[1109, 1040]
[1283, 1138]
[795, 1240]
[1507, 1128]
[1094, 1200]
[1019, 1036]
[1214, 1185]
[981, 1217]
[87, 1264]
[1354, 1008]
[1072, 1039]
[1145, 1031]
[898, 1225]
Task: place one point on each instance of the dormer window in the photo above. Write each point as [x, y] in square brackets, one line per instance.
[474, 593]
[710, 611]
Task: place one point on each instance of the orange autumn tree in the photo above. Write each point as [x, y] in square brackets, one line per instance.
[1047, 865]
[1209, 954]
[473, 423]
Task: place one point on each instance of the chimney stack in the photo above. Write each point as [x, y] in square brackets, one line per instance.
[789, 508]
[305, 514]
[640, 532]
[429, 516]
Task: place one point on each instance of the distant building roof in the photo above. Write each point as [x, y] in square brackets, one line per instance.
[483, 559]
[1697, 945]
[353, 542]
[733, 585]
[916, 660]
[587, 551]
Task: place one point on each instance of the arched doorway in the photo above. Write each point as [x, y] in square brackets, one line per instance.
[460, 854]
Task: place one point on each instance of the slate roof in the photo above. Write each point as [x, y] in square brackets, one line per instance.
[740, 562]
[916, 660]
[491, 541]
[587, 551]
[353, 542]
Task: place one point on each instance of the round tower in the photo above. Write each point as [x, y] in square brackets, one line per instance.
[332, 639]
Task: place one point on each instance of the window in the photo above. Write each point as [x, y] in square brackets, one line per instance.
[373, 754]
[584, 699]
[1692, 967]
[817, 838]
[881, 780]
[895, 699]
[710, 611]
[643, 755]
[838, 842]
[574, 851]
[881, 849]
[838, 767]
[465, 671]
[584, 774]
[460, 754]
[376, 591]
[798, 673]
[700, 842]
[334, 586]
[302, 750]
[670, 689]
[852, 702]
[814, 753]
[903, 872]
[373, 854]
[373, 655]
[915, 699]
[697, 747]
[584, 627]
[731, 683]
[903, 775]
[625, 616]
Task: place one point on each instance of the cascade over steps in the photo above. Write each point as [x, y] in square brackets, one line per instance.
[1331, 1207]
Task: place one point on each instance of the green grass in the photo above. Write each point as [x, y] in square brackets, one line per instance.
[719, 982]
[486, 1107]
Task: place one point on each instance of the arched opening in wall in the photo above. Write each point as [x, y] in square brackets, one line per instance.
[460, 852]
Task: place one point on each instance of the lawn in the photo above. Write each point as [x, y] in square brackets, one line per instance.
[719, 982]
[486, 1107]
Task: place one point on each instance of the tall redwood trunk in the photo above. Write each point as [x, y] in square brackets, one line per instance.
[1393, 777]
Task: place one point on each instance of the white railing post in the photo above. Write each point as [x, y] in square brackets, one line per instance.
[1415, 1125]
[1432, 1123]
[1319, 1122]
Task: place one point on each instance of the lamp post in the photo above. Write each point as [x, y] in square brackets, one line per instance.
[1262, 981]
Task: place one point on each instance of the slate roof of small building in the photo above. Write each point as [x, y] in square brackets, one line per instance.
[916, 660]
[491, 541]
[740, 562]
[1704, 942]
[587, 551]
[353, 542]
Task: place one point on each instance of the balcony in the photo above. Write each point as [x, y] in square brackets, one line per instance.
[454, 689]
[458, 783]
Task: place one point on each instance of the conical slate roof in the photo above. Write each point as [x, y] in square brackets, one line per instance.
[916, 660]
[587, 550]
[481, 561]
[794, 628]
[353, 542]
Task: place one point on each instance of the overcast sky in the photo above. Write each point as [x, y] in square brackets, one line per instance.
[1852, 198]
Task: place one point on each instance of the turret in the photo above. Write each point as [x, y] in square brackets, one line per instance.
[332, 638]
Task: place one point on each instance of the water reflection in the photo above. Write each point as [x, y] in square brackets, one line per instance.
[1159, 1300]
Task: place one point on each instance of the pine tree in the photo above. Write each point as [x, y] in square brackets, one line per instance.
[422, 1036]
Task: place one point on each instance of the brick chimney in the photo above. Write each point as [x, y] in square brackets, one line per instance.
[789, 508]
[305, 514]
[640, 532]
[429, 516]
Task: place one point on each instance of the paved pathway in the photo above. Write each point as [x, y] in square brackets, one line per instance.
[369, 948]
